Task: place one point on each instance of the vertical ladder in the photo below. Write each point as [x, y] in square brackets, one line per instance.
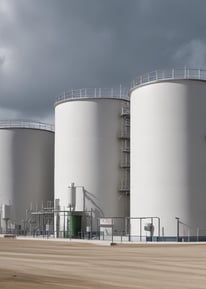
[125, 148]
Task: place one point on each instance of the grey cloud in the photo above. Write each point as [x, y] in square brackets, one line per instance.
[53, 45]
[192, 53]
[2, 60]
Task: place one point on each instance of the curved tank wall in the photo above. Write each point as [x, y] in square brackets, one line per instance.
[168, 156]
[88, 154]
[26, 168]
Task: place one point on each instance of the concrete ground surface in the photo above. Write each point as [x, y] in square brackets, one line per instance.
[50, 265]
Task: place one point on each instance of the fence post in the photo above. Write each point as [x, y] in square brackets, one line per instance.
[140, 229]
[178, 228]
[91, 226]
[159, 228]
[112, 229]
[198, 232]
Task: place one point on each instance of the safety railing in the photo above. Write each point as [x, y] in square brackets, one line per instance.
[175, 73]
[119, 93]
[26, 124]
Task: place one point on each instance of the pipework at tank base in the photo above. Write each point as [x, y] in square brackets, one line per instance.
[79, 225]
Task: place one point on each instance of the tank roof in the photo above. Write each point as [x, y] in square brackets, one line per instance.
[169, 74]
[26, 124]
[83, 93]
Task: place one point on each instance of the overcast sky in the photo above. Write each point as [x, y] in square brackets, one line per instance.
[48, 46]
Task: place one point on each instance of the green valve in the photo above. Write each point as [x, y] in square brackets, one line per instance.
[74, 226]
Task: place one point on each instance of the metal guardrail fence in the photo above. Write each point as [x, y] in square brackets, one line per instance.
[114, 229]
[26, 124]
[119, 93]
[175, 73]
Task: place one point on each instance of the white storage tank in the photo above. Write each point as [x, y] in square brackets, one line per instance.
[88, 152]
[168, 151]
[26, 169]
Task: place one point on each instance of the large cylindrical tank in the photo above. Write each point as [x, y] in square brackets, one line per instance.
[88, 147]
[26, 167]
[168, 151]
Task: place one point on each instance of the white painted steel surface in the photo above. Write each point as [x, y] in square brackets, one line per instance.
[168, 154]
[87, 152]
[26, 169]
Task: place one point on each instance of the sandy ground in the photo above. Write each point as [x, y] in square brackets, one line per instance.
[51, 265]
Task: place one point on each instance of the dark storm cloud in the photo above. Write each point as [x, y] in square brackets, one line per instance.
[47, 46]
